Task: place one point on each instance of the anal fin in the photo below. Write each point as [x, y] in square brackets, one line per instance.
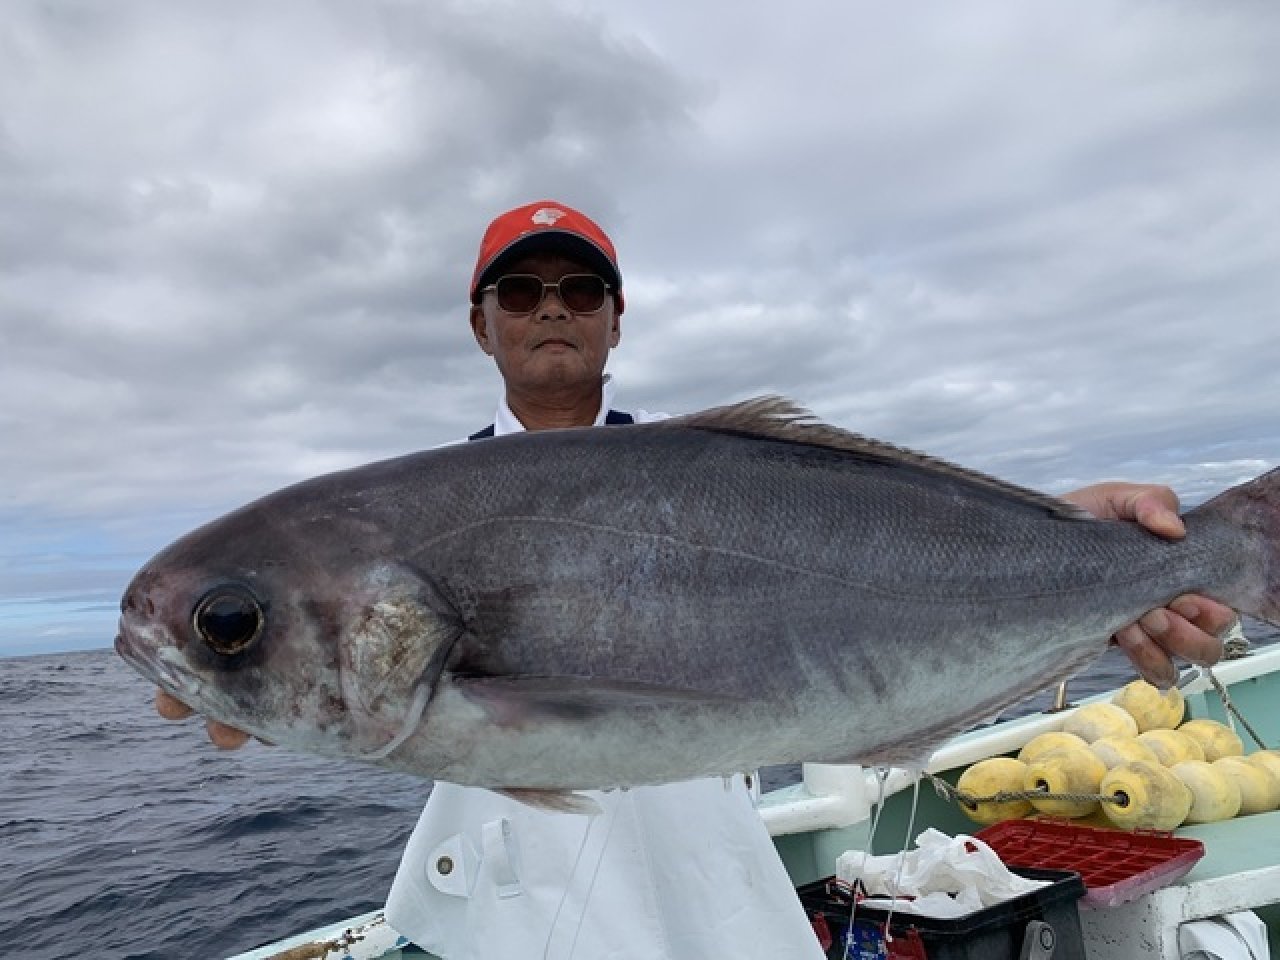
[553, 801]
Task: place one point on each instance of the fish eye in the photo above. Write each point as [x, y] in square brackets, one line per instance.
[228, 619]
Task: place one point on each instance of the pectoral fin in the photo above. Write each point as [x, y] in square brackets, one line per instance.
[396, 640]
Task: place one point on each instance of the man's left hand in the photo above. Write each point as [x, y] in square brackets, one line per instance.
[1189, 627]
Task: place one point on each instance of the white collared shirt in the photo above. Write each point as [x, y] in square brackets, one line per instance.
[504, 421]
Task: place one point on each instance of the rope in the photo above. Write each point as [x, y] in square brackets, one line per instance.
[1231, 707]
[948, 792]
[1234, 643]
[1235, 649]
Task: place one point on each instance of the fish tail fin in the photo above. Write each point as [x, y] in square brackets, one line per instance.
[1254, 509]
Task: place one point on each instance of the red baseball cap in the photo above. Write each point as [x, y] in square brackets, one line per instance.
[545, 225]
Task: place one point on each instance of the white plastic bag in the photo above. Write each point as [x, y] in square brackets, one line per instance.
[1233, 936]
[963, 867]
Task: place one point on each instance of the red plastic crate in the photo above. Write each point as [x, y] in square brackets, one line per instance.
[1116, 865]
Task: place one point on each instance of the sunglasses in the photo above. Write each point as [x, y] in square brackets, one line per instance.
[524, 292]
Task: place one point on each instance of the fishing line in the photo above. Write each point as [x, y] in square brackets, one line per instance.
[610, 815]
[882, 777]
[408, 728]
[902, 856]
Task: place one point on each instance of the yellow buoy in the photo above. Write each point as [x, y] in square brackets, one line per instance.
[1066, 770]
[1215, 739]
[1114, 751]
[987, 778]
[1171, 746]
[1095, 819]
[1042, 744]
[1267, 759]
[1214, 796]
[1259, 787]
[1147, 797]
[1094, 721]
[1151, 708]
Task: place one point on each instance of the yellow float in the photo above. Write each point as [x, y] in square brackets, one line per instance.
[987, 778]
[1216, 739]
[1267, 759]
[1147, 797]
[1114, 751]
[1042, 744]
[1149, 706]
[1094, 721]
[1066, 770]
[1214, 795]
[1259, 787]
[1171, 746]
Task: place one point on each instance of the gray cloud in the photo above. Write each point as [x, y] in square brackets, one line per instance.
[235, 240]
[252, 237]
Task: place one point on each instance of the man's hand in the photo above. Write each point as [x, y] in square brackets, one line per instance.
[222, 736]
[1189, 627]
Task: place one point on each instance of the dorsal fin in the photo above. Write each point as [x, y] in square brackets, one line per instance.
[777, 418]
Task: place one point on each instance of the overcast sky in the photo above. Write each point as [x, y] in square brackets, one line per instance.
[235, 240]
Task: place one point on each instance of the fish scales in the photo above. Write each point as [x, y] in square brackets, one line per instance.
[607, 607]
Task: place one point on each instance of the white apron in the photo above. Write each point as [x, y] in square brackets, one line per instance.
[673, 872]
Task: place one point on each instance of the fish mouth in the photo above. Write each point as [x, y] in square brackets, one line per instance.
[145, 649]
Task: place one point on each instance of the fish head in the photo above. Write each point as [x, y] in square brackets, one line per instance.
[298, 636]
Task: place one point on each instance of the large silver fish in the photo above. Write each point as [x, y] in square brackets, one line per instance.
[601, 607]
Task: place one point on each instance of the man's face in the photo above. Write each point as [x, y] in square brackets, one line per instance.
[551, 347]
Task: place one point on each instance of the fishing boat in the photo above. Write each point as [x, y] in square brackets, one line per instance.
[831, 811]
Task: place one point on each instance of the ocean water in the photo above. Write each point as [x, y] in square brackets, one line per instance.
[122, 835]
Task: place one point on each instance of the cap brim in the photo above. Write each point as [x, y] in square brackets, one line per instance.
[569, 245]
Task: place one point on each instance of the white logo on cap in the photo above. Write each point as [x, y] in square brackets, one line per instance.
[547, 216]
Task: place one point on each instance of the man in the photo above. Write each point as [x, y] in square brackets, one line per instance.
[676, 871]
[681, 870]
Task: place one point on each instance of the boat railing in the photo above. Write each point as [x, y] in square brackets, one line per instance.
[834, 796]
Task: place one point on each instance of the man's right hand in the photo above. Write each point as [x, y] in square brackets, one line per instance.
[220, 735]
